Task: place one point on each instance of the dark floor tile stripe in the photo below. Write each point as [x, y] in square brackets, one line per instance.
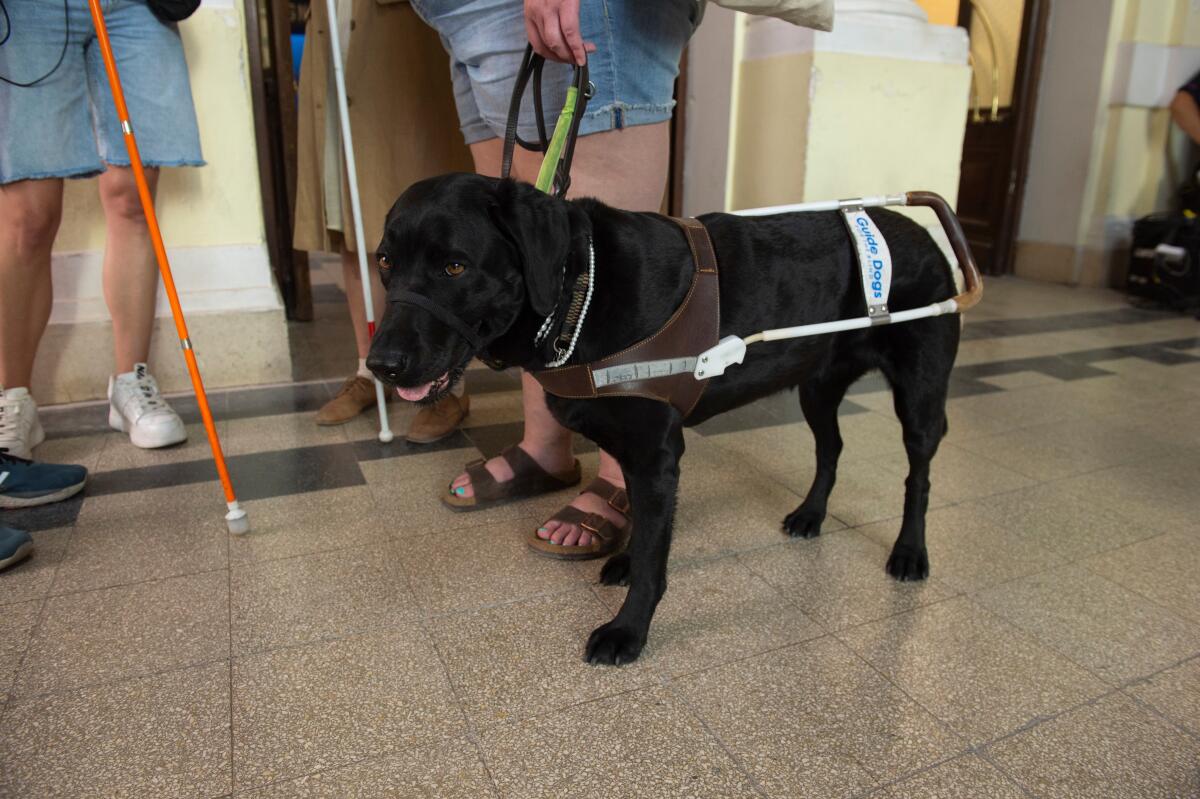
[260, 475]
[372, 449]
[244, 403]
[966, 387]
[1163, 352]
[1050, 365]
[1005, 328]
[328, 292]
[251, 403]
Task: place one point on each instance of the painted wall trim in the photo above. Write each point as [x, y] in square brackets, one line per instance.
[220, 279]
[869, 35]
[1148, 75]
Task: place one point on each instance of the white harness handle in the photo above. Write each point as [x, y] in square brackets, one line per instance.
[875, 264]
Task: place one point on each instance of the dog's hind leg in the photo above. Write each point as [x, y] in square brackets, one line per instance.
[652, 478]
[819, 399]
[919, 373]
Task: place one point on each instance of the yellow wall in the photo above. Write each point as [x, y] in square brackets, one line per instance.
[1156, 21]
[217, 204]
[1137, 148]
[911, 137]
[1131, 157]
[941, 12]
[775, 89]
[1143, 159]
[1005, 17]
[845, 125]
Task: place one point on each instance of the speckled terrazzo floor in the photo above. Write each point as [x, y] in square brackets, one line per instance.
[363, 642]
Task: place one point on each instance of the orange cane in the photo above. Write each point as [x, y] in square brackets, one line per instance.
[236, 518]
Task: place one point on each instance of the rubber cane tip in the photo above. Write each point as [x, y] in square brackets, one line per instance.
[386, 436]
[238, 522]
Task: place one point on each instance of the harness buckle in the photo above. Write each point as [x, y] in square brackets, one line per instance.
[714, 361]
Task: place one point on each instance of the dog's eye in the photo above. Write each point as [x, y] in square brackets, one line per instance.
[455, 269]
[383, 263]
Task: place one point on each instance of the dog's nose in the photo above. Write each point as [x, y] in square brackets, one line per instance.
[390, 369]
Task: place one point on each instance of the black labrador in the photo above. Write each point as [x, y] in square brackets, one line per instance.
[502, 256]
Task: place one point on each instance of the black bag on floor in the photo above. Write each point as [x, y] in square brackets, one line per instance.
[1164, 266]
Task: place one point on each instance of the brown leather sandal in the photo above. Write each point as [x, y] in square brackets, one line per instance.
[529, 480]
[607, 538]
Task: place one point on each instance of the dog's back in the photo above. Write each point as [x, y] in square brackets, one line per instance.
[801, 268]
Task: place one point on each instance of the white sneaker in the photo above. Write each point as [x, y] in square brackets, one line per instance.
[135, 407]
[20, 430]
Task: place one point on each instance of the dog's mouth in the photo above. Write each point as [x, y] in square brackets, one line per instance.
[434, 390]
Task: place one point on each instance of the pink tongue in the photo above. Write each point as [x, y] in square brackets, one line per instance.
[419, 393]
[414, 394]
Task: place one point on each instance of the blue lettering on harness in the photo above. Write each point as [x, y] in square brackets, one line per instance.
[865, 225]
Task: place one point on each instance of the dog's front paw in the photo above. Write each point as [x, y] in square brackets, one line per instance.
[803, 523]
[616, 570]
[612, 645]
[907, 563]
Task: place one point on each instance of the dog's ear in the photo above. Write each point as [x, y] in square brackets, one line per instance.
[539, 227]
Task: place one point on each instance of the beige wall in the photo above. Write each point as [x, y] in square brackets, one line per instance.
[212, 223]
[1067, 139]
[919, 147]
[1104, 150]
[768, 160]
[216, 204]
[1146, 155]
[817, 117]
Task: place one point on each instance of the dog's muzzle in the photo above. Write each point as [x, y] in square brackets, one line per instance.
[444, 315]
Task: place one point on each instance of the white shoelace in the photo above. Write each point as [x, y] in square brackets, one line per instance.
[144, 392]
[10, 417]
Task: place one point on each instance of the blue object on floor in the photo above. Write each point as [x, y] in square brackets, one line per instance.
[15, 546]
[297, 54]
[24, 484]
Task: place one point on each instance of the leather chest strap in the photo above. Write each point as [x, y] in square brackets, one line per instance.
[661, 365]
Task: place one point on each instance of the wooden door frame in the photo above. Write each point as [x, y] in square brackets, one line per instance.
[1030, 56]
[269, 55]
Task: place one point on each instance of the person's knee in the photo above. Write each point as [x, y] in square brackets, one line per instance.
[121, 201]
[31, 224]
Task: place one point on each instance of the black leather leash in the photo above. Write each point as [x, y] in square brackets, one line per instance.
[531, 67]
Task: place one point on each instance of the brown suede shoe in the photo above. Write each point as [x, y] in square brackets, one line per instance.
[435, 422]
[356, 396]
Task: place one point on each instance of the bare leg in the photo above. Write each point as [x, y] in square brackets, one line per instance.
[130, 271]
[624, 168]
[30, 211]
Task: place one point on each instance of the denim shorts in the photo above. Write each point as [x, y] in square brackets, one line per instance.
[66, 125]
[638, 46]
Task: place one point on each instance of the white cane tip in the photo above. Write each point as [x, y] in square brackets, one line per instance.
[386, 436]
[238, 522]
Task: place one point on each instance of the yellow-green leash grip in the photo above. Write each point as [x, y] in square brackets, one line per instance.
[554, 151]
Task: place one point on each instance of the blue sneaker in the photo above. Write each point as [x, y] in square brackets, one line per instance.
[24, 484]
[15, 546]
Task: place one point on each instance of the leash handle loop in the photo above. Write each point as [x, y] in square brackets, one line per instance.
[555, 174]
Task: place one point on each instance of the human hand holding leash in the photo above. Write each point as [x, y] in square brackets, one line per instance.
[553, 30]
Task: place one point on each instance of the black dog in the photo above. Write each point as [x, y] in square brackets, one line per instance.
[503, 255]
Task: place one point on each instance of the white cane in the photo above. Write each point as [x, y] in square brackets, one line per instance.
[339, 79]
